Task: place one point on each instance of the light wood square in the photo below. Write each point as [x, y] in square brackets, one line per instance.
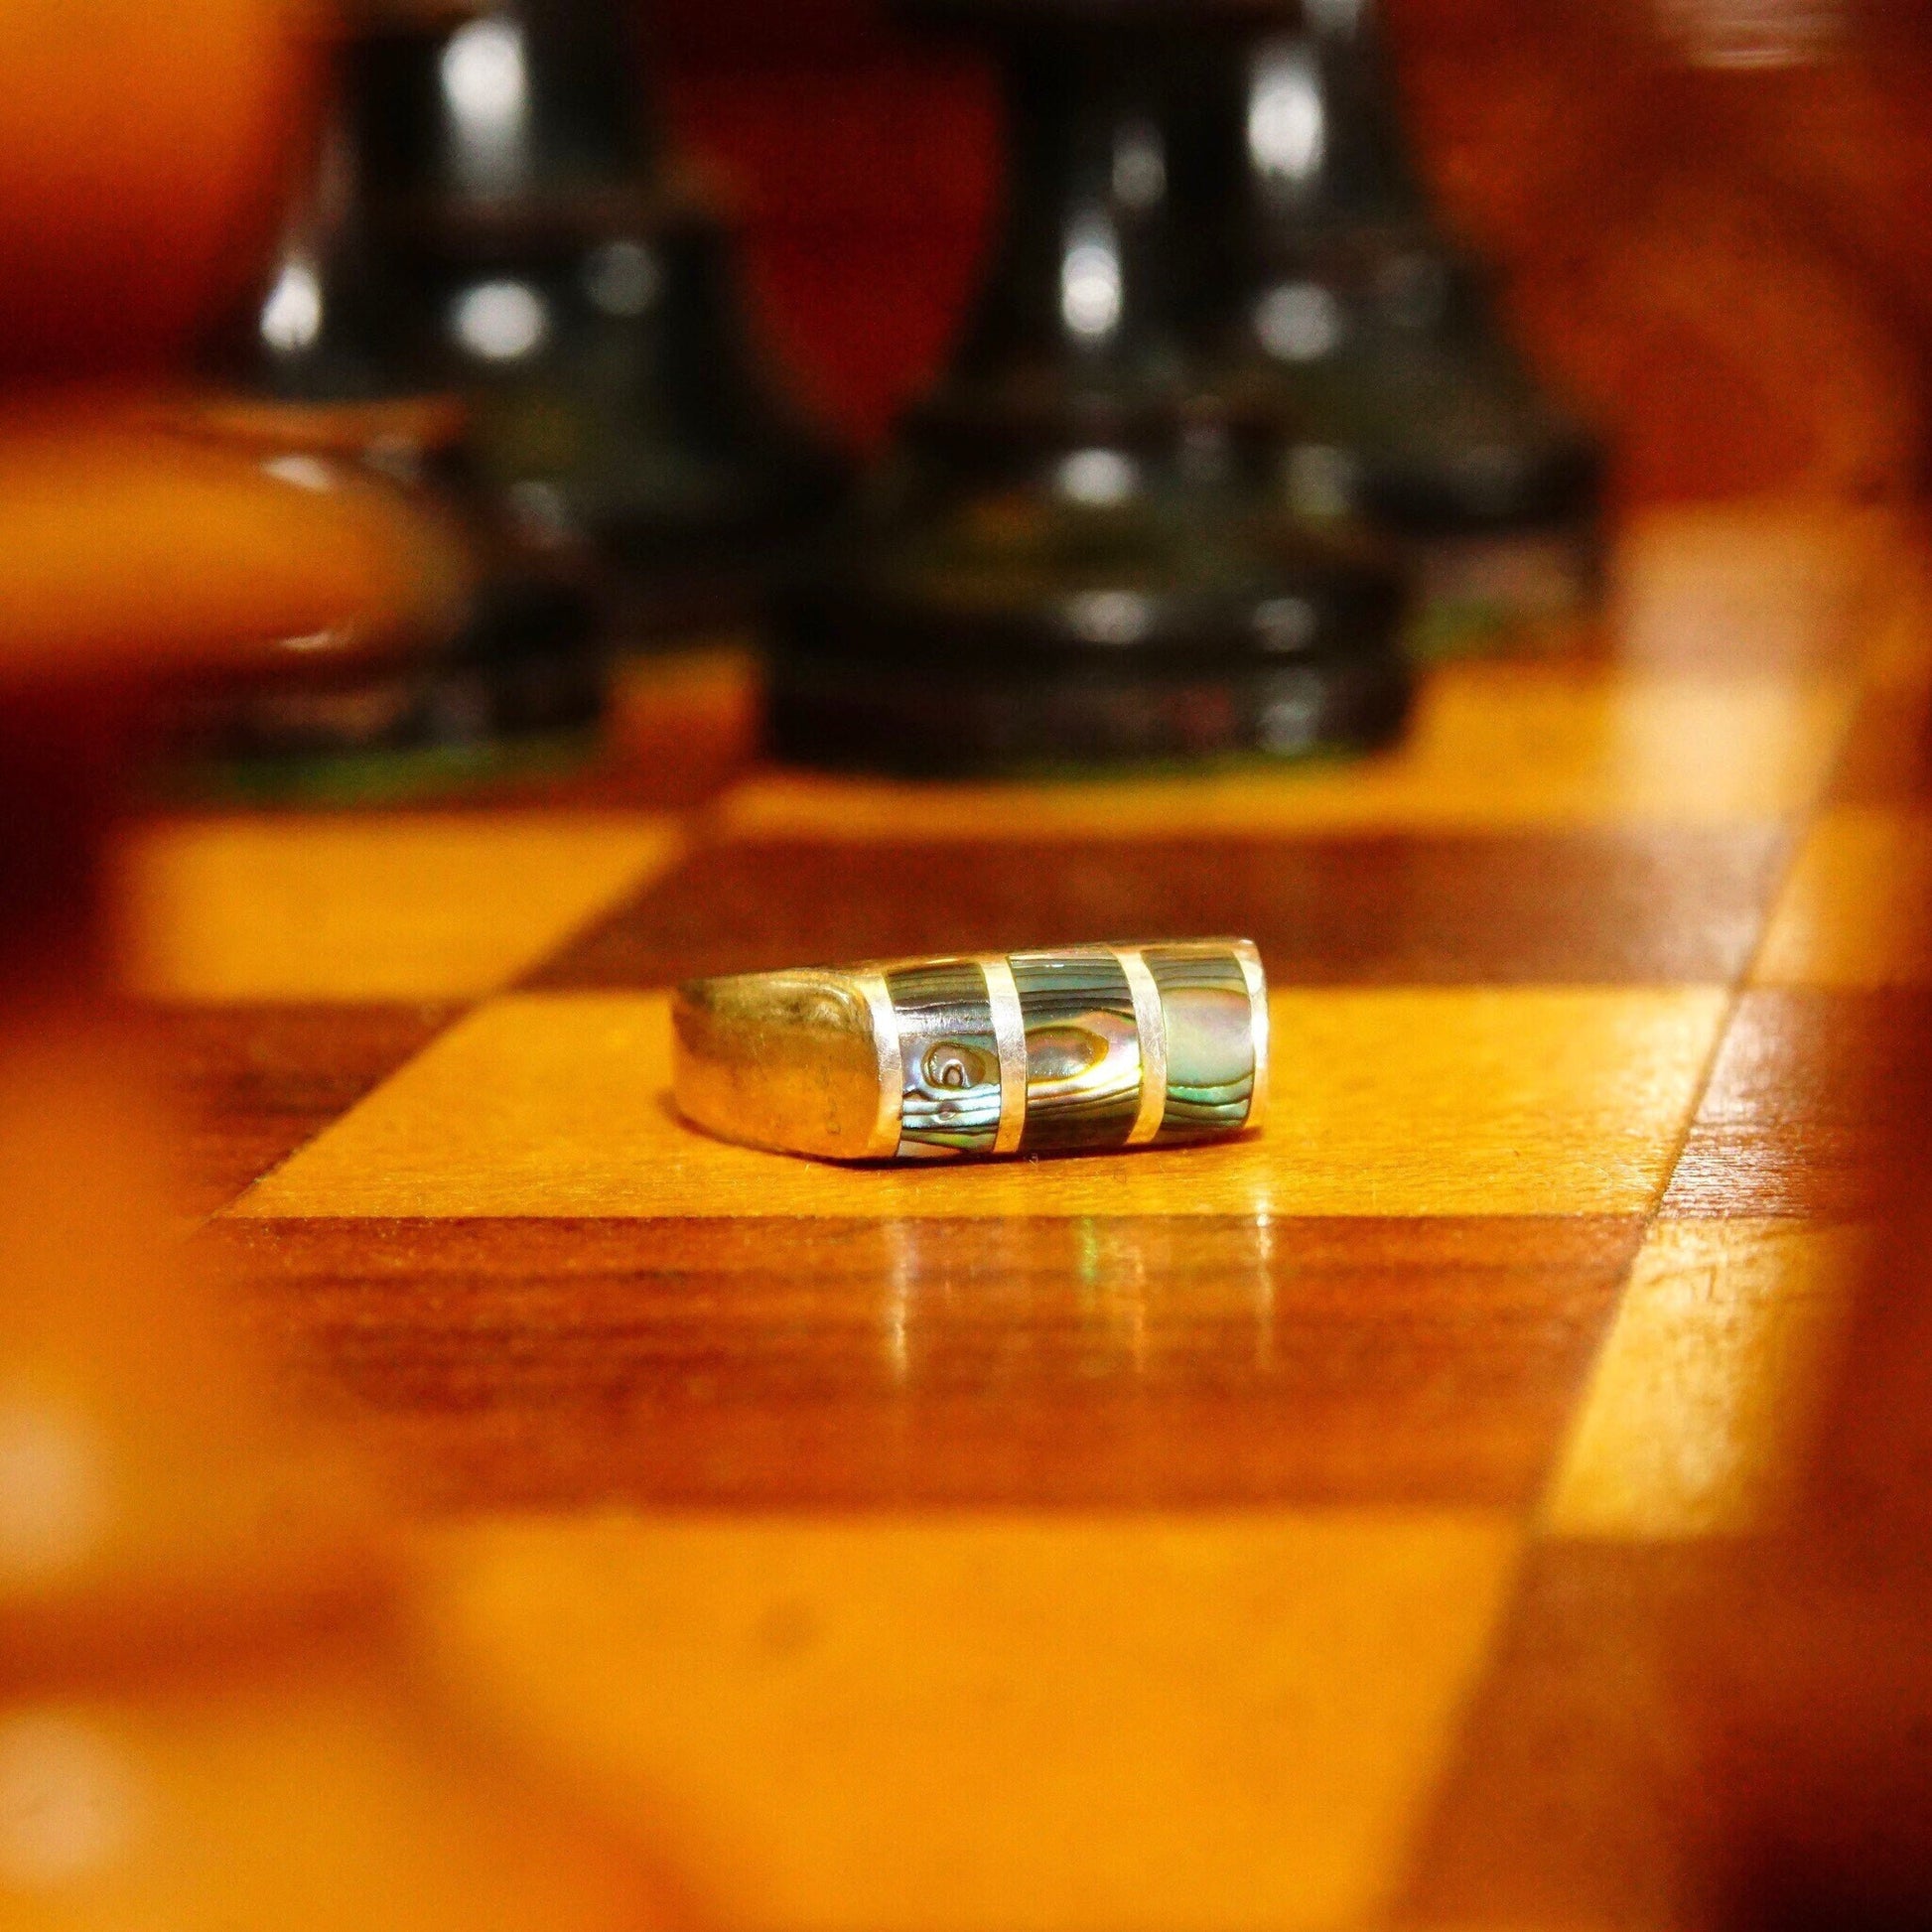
[1491, 745]
[386, 906]
[1695, 1417]
[1408, 1101]
[1071, 1722]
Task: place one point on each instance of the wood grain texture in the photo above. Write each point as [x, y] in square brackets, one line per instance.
[1490, 746]
[1803, 1114]
[382, 907]
[1130, 1722]
[1640, 906]
[1455, 1101]
[1133, 1539]
[751, 1362]
[251, 1083]
[1699, 1417]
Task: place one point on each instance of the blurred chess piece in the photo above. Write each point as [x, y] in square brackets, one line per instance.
[509, 677]
[208, 1710]
[543, 257]
[1057, 562]
[1361, 350]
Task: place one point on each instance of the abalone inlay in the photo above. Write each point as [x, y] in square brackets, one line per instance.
[1210, 1041]
[1083, 1052]
[951, 1061]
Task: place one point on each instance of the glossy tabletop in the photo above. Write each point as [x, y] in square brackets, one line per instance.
[1269, 1533]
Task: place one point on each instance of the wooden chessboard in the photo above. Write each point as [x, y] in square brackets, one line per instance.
[1271, 1534]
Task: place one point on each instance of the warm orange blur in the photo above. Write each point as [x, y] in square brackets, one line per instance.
[128, 544]
[144, 157]
[209, 1707]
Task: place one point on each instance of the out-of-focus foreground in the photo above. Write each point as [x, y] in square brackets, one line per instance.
[506, 508]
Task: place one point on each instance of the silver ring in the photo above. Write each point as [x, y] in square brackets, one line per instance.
[1076, 1049]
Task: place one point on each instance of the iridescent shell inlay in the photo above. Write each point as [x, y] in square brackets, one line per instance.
[951, 1098]
[1083, 1051]
[1210, 1041]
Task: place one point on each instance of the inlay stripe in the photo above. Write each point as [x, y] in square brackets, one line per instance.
[1150, 1024]
[1083, 1054]
[951, 1089]
[1210, 1046]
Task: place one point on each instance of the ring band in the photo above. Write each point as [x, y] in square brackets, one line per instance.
[1081, 1049]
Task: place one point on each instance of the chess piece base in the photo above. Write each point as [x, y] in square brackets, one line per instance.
[510, 699]
[854, 711]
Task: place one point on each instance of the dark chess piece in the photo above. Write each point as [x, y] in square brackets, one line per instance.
[504, 670]
[1057, 563]
[1360, 348]
[546, 262]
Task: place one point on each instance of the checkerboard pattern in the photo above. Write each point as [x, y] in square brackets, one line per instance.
[1277, 1533]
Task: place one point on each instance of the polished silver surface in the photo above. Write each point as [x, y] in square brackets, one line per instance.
[1010, 1030]
[1151, 1024]
[892, 1066]
[1244, 951]
[1071, 1050]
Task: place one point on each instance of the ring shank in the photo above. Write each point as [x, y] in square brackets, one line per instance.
[1097, 1049]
